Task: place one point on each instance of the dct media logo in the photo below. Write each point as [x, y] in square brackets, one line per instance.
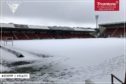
[106, 5]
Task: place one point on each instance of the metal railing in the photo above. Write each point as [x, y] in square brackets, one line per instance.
[114, 77]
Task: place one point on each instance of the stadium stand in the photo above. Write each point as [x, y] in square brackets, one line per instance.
[23, 32]
[113, 30]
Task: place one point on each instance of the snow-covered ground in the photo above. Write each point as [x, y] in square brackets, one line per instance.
[66, 60]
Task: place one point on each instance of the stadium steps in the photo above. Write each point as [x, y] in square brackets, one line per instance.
[26, 35]
[15, 37]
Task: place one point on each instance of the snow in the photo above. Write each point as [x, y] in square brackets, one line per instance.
[6, 25]
[68, 60]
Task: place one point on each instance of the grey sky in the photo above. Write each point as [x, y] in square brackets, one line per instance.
[60, 12]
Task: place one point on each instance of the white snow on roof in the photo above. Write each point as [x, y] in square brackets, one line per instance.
[37, 27]
[11, 25]
[7, 25]
[83, 29]
[60, 28]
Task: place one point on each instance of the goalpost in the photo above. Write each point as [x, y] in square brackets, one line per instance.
[8, 40]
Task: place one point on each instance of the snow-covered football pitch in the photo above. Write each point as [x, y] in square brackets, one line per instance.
[64, 60]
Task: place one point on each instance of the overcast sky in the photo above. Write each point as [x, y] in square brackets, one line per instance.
[60, 12]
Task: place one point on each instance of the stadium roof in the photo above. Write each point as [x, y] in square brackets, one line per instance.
[6, 25]
[19, 26]
[113, 25]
